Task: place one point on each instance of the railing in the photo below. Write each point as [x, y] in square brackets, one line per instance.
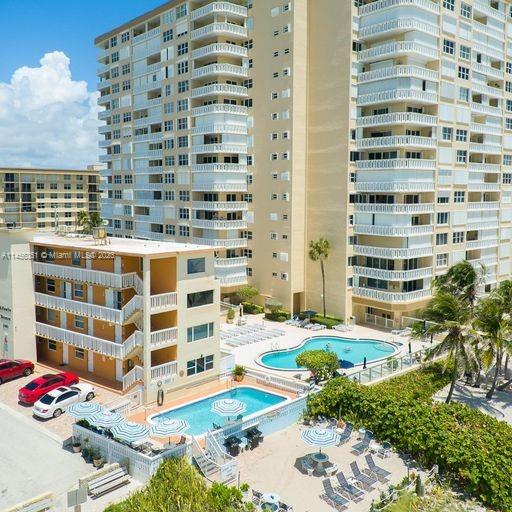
[481, 244]
[135, 340]
[487, 89]
[390, 186]
[164, 301]
[386, 4]
[219, 108]
[239, 129]
[232, 280]
[398, 71]
[481, 167]
[487, 70]
[397, 25]
[219, 7]
[133, 280]
[379, 321]
[401, 47]
[164, 370]
[477, 147]
[278, 382]
[222, 147]
[136, 374]
[397, 95]
[230, 243]
[484, 7]
[146, 35]
[397, 163]
[396, 141]
[164, 337]
[219, 168]
[230, 262]
[136, 303]
[219, 187]
[393, 275]
[369, 229]
[220, 69]
[486, 128]
[148, 86]
[227, 206]
[385, 252]
[394, 208]
[219, 48]
[484, 205]
[219, 224]
[215, 89]
[486, 109]
[484, 187]
[402, 118]
[141, 121]
[226, 28]
[389, 296]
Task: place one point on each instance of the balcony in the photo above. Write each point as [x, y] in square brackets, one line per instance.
[104, 114]
[219, 224]
[491, 129]
[232, 280]
[151, 69]
[219, 187]
[164, 302]
[227, 243]
[484, 7]
[482, 225]
[397, 164]
[391, 186]
[219, 29]
[487, 70]
[486, 109]
[398, 49]
[481, 167]
[237, 129]
[481, 244]
[368, 229]
[143, 121]
[232, 50]
[397, 72]
[393, 253]
[397, 118]
[397, 95]
[236, 168]
[483, 187]
[395, 141]
[396, 26]
[394, 208]
[148, 137]
[148, 153]
[220, 69]
[391, 297]
[219, 108]
[223, 147]
[476, 147]
[149, 86]
[387, 4]
[230, 262]
[164, 338]
[220, 90]
[146, 35]
[104, 143]
[225, 8]
[494, 92]
[106, 128]
[223, 206]
[393, 275]
[164, 371]
[145, 103]
[484, 205]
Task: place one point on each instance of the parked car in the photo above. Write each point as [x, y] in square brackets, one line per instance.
[54, 403]
[12, 368]
[35, 389]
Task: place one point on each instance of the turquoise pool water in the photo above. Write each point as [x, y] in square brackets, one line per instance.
[349, 351]
[201, 418]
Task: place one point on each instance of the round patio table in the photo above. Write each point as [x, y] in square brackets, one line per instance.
[319, 459]
[270, 501]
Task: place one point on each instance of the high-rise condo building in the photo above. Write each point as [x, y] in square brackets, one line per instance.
[47, 199]
[257, 126]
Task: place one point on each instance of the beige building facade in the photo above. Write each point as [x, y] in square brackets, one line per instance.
[47, 199]
[384, 126]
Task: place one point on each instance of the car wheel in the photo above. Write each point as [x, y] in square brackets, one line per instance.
[89, 396]
[57, 413]
[27, 372]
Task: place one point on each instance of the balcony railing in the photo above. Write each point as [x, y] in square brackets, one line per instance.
[481, 244]
[220, 49]
[230, 262]
[397, 49]
[226, 8]
[220, 89]
[387, 4]
[397, 95]
[391, 297]
[136, 374]
[486, 109]
[487, 70]
[481, 167]
[395, 26]
[394, 208]
[220, 69]
[397, 163]
[164, 302]
[219, 187]
[164, 337]
[219, 108]
[146, 35]
[391, 186]
[219, 224]
[477, 147]
[368, 229]
[238, 129]
[484, 205]
[486, 128]
[149, 86]
[396, 141]
[232, 280]
[390, 252]
[393, 275]
[227, 29]
[483, 187]
[398, 71]
[164, 371]
[228, 243]
[223, 147]
[226, 206]
[397, 118]
[236, 168]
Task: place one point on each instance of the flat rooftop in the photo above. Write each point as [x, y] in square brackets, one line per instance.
[48, 170]
[127, 246]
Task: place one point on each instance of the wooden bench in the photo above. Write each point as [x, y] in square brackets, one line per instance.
[108, 482]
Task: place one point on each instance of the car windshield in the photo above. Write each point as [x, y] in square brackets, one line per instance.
[47, 399]
[31, 386]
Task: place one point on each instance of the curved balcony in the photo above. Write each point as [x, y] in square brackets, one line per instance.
[236, 168]
[393, 253]
[219, 187]
[232, 50]
[391, 297]
[394, 208]
[393, 275]
[227, 243]
[219, 108]
[394, 141]
[220, 90]
[223, 147]
[222, 206]
[387, 4]
[396, 26]
[397, 72]
[398, 49]
[397, 118]
[392, 186]
[219, 224]
[367, 229]
[225, 8]
[220, 69]
[238, 129]
[397, 164]
[396, 96]
[219, 29]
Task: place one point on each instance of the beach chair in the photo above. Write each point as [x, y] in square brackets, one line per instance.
[363, 445]
[365, 480]
[346, 434]
[333, 498]
[283, 507]
[353, 492]
[256, 497]
[381, 474]
[384, 451]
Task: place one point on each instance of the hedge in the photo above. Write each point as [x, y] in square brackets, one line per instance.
[328, 321]
[472, 449]
[252, 309]
[278, 316]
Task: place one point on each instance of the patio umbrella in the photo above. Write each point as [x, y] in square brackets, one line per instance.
[106, 419]
[83, 410]
[130, 432]
[169, 427]
[321, 437]
[309, 313]
[228, 407]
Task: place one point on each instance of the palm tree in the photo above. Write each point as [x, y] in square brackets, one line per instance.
[503, 293]
[88, 220]
[319, 251]
[450, 316]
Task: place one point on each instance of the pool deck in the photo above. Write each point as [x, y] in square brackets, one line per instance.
[294, 336]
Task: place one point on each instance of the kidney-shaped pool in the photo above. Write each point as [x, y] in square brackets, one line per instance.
[350, 352]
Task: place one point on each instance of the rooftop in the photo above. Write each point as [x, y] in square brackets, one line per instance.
[90, 169]
[129, 246]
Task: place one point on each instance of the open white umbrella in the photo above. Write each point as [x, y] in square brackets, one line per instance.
[321, 437]
[228, 407]
[84, 410]
[169, 427]
[130, 432]
[106, 419]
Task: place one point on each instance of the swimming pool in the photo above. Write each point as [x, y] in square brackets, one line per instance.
[351, 352]
[200, 417]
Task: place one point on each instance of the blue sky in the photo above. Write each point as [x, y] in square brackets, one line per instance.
[31, 28]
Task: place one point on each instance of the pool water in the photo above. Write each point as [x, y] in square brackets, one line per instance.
[350, 352]
[201, 418]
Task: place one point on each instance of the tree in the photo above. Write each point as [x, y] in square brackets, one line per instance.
[88, 221]
[321, 363]
[247, 292]
[450, 316]
[319, 251]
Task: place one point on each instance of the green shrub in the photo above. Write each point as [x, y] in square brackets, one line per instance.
[321, 363]
[252, 309]
[178, 487]
[328, 321]
[473, 450]
[279, 315]
[247, 292]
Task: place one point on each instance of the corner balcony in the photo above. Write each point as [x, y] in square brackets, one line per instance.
[397, 118]
[104, 114]
[164, 371]
[396, 26]
[219, 29]
[395, 141]
[219, 187]
[220, 90]
[388, 4]
[223, 206]
[393, 253]
[397, 96]
[106, 128]
[399, 231]
[223, 147]
[209, 50]
[397, 164]
[237, 129]
[394, 208]
[164, 338]
[476, 147]
[392, 186]
[398, 49]
[219, 224]
[391, 297]
[225, 8]
[393, 275]
[234, 168]
[230, 262]
[146, 35]
[397, 72]
[235, 280]
[214, 70]
[219, 108]
[226, 243]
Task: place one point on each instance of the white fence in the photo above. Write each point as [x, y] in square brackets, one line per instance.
[274, 381]
[227, 364]
[43, 503]
[140, 466]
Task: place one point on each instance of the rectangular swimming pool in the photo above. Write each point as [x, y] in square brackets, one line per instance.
[201, 418]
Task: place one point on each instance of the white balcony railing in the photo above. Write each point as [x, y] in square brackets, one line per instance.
[397, 118]
[393, 253]
[397, 95]
[219, 224]
[149, 86]
[486, 109]
[477, 147]
[232, 280]
[227, 29]
[164, 302]
[397, 163]
[228, 243]
[220, 89]
[481, 167]
[486, 128]
[388, 4]
[236, 168]
[230, 262]
[146, 35]
[219, 187]
[136, 374]
[393, 275]
[220, 69]
[394, 208]
[164, 337]
[397, 49]
[392, 186]
[487, 70]
[226, 206]
[484, 205]
[164, 371]
[219, 108]
[391, 297]
[398, 71]
[233, 50]
[481, 244]
[396, 141]
[483, 187]
[226, 8]
[395, 26]
[365, 229]
[238, 129]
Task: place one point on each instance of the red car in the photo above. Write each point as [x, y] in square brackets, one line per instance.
[36, 388]
[12, 368]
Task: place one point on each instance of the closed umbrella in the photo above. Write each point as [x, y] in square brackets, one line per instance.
[228, 407]
[169, 427]
[130, 432]
[106, 419]
[84, 410]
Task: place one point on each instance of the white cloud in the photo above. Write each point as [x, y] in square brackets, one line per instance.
[46, 118]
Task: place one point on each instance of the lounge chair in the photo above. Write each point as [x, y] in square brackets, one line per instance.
[353, 492]
[307, 466]
[283, 507]
[256, 497]
[317, 327]
[346, 434]
[332, 497]
[363, 445]
[384, 451]
[365, 480]
[381, 474]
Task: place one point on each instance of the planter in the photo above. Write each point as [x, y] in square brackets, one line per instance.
[239, 378]
[97, 463]
[77, 447]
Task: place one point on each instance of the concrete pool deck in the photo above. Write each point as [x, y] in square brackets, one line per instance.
[247, 355]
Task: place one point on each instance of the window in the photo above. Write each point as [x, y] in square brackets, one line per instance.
[507, 178]
[508, 67]
[183, 67]
[79, 322]
[446, 133]
[449, 4]
[79, 353]
[125, 37]
[461, 135]
[458, 237]
[50, 285]
[448, 47]
[199, 365]
[78, 290]
[442, 260]
[441, 238]
[182, 105]
[182, 48]
[507, 159]
[184, 231]
[462, 156]
[463, 73]
[465, 10]
[181, 11]
[52, 345]
[196, 265]
[183, 86]
[200, 332]
[442, 217]
[168, 35]
[198, 299]
[464, 94]
[459, 196]
[465, 52]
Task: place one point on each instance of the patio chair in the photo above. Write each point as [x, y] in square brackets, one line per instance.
[384, 451]
[307, 467]
[363, 445]
[283, 507]
[365, 480]
[346, 434]
[381, 474]
[333, 498]
[353, 492]
[331, 470]
[256, 497]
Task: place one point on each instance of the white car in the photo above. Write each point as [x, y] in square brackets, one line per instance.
[54, 403]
